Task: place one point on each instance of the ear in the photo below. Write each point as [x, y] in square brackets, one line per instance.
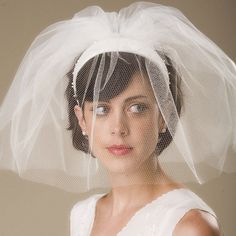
[162, 124]
[79, 114]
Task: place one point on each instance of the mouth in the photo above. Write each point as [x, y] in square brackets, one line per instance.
[119, 150]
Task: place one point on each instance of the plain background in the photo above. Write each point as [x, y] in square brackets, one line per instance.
[29, 209]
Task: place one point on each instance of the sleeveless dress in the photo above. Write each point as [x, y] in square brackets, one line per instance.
[157, 218]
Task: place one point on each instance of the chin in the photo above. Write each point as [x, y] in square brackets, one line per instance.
[121, 164]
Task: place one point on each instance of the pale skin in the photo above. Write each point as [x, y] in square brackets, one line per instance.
[132, 118]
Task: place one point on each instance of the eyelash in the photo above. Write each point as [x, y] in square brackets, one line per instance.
[143, 107]
[101, 106]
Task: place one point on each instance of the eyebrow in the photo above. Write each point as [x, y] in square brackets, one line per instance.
[127, 99]
[134, 97]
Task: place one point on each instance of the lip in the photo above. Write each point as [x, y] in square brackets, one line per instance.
[119, 150]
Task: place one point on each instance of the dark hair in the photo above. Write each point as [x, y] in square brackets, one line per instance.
[127, 65]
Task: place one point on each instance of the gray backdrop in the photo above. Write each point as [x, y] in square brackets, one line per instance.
[29, 209]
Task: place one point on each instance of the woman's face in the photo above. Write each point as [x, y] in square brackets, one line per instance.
[126, 127]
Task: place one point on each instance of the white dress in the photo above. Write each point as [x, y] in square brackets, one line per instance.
[158, 217]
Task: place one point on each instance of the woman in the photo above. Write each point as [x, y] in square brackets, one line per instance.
[151, 103]
[128, 134]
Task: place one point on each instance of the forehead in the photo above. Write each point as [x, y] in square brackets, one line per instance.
[139, 86]
[139, 83]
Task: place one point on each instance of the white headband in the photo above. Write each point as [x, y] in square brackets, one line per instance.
[118, 44]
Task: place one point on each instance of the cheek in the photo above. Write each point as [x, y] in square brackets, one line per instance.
[146, 130]
[99, 132]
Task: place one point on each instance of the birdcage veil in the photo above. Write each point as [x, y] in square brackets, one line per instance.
[74, 61]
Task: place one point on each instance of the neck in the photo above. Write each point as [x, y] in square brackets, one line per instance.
[127, 186]
[149, 173]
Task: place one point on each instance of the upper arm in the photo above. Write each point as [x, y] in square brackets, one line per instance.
[197, 223]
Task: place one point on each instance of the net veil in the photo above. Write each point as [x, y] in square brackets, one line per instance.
[183, 115]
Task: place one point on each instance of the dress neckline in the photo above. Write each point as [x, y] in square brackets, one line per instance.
[138, 212]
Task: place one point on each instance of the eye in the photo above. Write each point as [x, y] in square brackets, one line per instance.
[101, 110]
[138, 108]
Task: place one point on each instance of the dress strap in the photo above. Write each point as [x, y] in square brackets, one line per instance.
[185, 201]
[82, 216]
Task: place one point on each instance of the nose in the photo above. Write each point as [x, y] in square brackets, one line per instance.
[119, 125]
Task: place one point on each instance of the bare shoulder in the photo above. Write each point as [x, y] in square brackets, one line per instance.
[197, 223]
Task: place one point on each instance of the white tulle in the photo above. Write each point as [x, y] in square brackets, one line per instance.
[34, 141]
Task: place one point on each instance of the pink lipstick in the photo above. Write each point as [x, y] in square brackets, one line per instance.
[119, 150]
